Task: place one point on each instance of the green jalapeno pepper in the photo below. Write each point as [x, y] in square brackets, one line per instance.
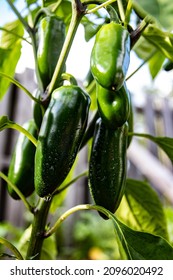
[51, 36]
[113, 106]
[21, 169]
[107, 168]
[60, 137]
[110, 55]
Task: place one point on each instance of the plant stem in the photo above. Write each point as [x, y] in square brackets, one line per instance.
[19, 85]
[26, 203]
[17, 13]
[121, 10]
[38, 230]
[103, 5]
[140, 66]
[71, 211]
[136, 34]
[56, 5]
[77, 12]
[13, 33]
[31, 33]
[24, 131]
[59, 190]
[128, 12]
[10, 246]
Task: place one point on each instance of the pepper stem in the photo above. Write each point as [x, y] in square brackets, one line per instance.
[77, 13]
[73, 210]
[38, 229]
[19, 85]
[113, 14]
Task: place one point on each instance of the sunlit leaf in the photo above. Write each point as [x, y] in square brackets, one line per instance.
[142, 209]
[155, 63]
[160, 39]
[165, 143]
[137, 245]
[10, 51]
[161, 10]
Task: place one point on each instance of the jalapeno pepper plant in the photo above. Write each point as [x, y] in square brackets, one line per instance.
[68, 115]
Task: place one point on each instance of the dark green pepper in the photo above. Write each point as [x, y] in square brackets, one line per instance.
[130, 121]
[21, 169]
[113, 106]
[110, 55]
[38, 110]
[107, 168]
[51, 37]
[60, 137]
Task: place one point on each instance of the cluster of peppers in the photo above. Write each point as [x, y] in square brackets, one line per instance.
[60, 126]
[107, 168]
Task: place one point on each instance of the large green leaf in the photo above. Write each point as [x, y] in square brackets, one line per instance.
[10, 51]
[142, 209]
[160, 39]
[165, 143]
[143, 48]
[137, 245]
[150, 6]
[161, 10]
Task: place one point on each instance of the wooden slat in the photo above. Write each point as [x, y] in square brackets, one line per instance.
[152, 169]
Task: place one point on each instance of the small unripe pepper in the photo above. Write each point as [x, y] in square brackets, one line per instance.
[21, 169]
[60, 136]
[107, 168]
[113, 106]
[51, 37]
[110, 55]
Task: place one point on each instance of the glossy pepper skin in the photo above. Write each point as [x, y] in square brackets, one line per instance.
[130, 122]
[21, 169]
[110, 55]
[107, 168]
[51, 37]
[60, 136]
[113, 106]
[38, 112]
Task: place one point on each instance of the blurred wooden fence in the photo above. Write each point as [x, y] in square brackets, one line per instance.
[145, 160]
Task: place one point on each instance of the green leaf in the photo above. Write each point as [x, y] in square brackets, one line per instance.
[155, 63]
[169, 217]
[142, 209]
[64, 11]
[165, 143]
[136, 245]
[150, 7]
[4, 122]
[10, 51]
[143, 48]
[165, 16]
[161, 10]
[160, 39]
[90, 28]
